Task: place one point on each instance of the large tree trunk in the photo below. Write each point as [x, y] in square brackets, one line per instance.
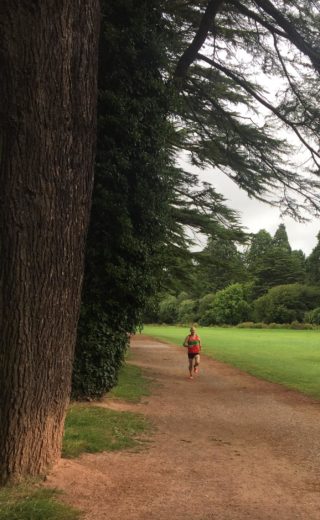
[48, 65]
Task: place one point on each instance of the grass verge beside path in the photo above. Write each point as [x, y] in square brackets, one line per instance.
[26, 502]
[132, 385]
[288, 357]
[90, 429]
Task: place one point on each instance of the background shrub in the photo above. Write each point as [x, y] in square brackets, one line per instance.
[186, 311]
[229, 306]
[286, 303]
[313, 316]
[168, 310]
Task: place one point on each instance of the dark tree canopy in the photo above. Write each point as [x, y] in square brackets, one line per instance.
[280, 239]
[313, 264]
[230, 52]
[127, 227]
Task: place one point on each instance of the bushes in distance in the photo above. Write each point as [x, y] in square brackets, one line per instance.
[286, 303]
[313, 316]
[229, 306]
[290, 305]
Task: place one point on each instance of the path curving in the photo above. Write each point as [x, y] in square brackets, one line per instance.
[226, 446]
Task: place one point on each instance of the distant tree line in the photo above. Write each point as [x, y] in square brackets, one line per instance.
[265, 282]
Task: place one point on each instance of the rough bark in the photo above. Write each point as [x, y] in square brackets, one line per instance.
[48, 63]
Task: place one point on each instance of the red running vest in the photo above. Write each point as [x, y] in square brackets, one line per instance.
[193, 344]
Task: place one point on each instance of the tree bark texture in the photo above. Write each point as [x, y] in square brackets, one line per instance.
[48, 68]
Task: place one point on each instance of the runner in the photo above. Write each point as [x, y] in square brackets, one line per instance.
[193, 344]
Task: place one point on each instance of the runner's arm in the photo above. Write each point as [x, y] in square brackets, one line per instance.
[185, 343]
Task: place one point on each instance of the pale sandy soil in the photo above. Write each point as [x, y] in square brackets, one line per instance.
[225, 446]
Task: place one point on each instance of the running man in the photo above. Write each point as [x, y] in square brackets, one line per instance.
[193, 344]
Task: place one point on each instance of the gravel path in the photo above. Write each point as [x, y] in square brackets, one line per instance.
[226, 446]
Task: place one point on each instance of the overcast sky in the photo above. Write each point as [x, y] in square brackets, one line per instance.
[255, 215]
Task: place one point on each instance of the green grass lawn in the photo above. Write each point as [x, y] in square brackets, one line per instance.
[131, 385]
[26, 502]
[289, 357]
[90, 429]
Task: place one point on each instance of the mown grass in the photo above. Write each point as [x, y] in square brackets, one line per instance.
[288, 357]
[132, 385]
[27, 502]
[90, 429]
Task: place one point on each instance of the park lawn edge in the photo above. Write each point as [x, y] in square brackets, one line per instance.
[304, 379]
[132, 384]
[30, 501]
[93, 428]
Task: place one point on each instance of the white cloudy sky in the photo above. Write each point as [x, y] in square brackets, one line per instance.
[255, 215]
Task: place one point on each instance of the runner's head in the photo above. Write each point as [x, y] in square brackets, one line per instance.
[192, 330]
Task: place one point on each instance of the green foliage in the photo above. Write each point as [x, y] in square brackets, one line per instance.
[313, 264]
[194, 208]
[90, 429]
[99, 354]
[168, 309]
[215, 92]
[229, 306]
[130, 197]
[131, 386]
[252, 325]
[187, 311]
[26, 502]
[286, 303]
[220, 264]
[271, 261]
[295, 325]
[313, 316]
[182, 296]
[205, 303]
[280, 239]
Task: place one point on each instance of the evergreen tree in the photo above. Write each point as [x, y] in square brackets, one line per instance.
[243, 43]
[220, 264]
[260, 246]
[271, 261]
[298, 260]
[313, 264]
[280, 239]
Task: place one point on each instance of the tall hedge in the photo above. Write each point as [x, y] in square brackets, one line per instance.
[130, 193]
